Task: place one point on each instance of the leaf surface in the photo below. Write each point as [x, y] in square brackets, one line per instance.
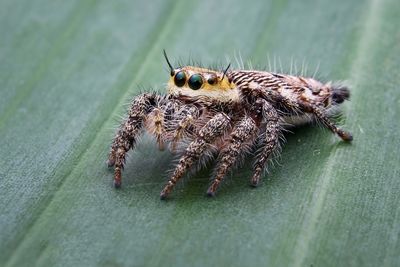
[69, 67]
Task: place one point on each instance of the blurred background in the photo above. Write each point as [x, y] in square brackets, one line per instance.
[67, 71]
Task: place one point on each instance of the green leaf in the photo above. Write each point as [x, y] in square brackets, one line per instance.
[68, 68]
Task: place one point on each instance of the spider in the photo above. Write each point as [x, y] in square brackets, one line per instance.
[224, 115]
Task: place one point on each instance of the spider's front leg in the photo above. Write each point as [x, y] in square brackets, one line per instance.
[127, 134]
[269, 141]
[206, 136]
[241, 133]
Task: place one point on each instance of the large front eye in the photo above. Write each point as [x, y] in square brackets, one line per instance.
[180, 79]
[195, 81]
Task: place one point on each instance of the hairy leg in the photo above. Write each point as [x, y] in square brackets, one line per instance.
[321, 115]
[207, 134]
[241, 133]
[270, 141]
[127, 134]
[262, 91]
[301, 106]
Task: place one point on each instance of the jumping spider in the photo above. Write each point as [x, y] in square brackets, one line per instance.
[224, 114]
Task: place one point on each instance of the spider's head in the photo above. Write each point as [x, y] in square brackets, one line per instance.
[200, 82]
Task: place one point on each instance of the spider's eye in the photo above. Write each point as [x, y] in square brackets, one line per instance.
[180, 79]
[195, 81]
[212, 80]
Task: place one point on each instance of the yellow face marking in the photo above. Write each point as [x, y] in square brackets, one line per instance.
[195, 82]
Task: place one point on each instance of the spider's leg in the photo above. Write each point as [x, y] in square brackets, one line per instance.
[269, 142]
[321, 115]
[128, 132]
[309, 108]
[190, 114]
[263, 92]
[180, 130]
[207, 134]
[241, 133]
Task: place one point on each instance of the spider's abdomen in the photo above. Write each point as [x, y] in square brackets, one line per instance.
[296, 90]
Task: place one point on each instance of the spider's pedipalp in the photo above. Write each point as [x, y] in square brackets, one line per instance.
[269, 143]
[188, 115]
[207, 135]
[241, 133]
[127, 134]
[156, 126]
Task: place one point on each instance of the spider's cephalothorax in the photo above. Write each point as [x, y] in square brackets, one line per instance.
[224, 114]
